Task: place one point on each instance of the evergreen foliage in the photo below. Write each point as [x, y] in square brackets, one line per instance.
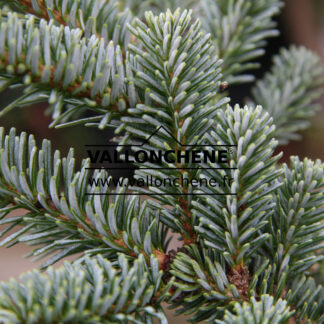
[264, 311]
[101, 18]
[232, 224]
[156, 75]
[239, 29]
[96, 291]
[289, 90]
[71, 221]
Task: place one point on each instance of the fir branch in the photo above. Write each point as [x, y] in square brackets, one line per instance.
[94, 292]
[201, 286]
[307, 299]
[304, 297]
[297, 223]
[58, 65]
[239, 29]
[247, 241]
[204, 286]
[70, 221]
[288, 92]
[265, 311]
[179, 74]
[101, 18]
[232, 217]
[138, 7]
